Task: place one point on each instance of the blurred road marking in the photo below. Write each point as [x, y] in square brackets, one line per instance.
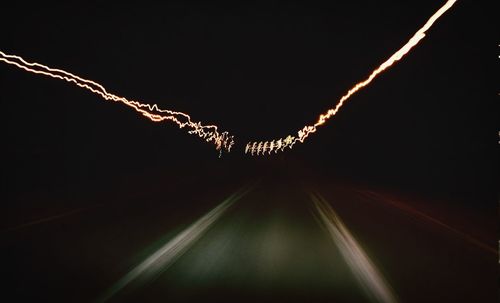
[361, 266]
[165, 256]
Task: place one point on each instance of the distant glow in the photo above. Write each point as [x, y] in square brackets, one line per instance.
[210, 133]
[165, 256]
[323, 118]
[364, 270]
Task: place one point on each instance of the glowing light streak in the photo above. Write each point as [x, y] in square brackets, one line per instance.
[361, 266]
[210, 133]
[166, 255]
[323, 118]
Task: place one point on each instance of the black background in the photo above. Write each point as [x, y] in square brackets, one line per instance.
[428, 125]
[260, 72]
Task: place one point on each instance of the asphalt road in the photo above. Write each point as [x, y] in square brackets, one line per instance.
[274, 237]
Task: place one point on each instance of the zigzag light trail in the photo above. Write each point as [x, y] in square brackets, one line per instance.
[262, 147]
[210, 133]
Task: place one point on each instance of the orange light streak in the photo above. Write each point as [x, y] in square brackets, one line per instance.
[323, 118]
[210, 133]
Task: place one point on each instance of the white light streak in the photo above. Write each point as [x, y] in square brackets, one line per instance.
[165, 256]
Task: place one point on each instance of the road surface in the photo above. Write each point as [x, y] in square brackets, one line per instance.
[274, 237]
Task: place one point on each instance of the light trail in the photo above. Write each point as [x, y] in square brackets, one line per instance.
[323, 118]
[166, 255]
[50, 218]
[373, 196]
[210, 133]
[363, 269]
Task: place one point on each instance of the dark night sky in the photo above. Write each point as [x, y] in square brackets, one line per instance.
[263, 71]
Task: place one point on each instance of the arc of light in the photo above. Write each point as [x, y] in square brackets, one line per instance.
[304, 133]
